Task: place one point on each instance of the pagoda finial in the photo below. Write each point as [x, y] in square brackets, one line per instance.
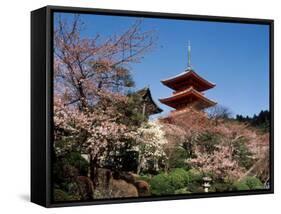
[189, 56]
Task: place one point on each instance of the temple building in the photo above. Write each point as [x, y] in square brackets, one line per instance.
[188, 89]
[148, 106]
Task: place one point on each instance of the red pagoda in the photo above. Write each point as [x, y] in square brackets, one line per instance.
[188, 89]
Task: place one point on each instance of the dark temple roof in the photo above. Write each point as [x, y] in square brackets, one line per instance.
[152, 107]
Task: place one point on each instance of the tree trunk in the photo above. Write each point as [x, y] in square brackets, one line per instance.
[94, 171]
[140, 164]
[139, 167]
[156, 166]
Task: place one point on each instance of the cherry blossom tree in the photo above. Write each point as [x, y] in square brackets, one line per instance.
[218, 112]
[150, 145]
[84, 66]
[219, 158]
[220, 163]
[91, 77]
[90, 132]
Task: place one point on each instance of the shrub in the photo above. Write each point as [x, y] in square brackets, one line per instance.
[253, 183]
[173, 183]
[179, 178]
[241, 186]
[177, 158]
[182, 191]
[194, 175]
[60, 195]
[178, 181]
[248, 183]
[195, 181]
[221, 187]
[65, 171]
[161, 185]
[76, 160]
[208, 141]
[242, 154]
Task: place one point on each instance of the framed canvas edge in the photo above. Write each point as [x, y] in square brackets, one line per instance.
[49, 102]
[159, 198]
[49, 97]
[164, 15]
[38, 122]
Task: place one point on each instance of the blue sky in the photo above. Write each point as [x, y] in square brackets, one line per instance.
[233, 56]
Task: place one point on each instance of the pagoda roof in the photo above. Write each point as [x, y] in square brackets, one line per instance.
[188, 96]
[147, 97]
[187, 79]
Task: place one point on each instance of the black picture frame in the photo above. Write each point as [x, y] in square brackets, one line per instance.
[42, 103]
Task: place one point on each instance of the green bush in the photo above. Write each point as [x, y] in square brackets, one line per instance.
[76, 160]
[177, 158]
[195, 181]
[60, 195]
[66, 169]
[174, 182]
[254, 183]
[242, 154]
[208, 141]
[179, 178]
[221, 187]
[161, 185]
[194, 175]
[182, 191]
[248, 183]
[241, 186]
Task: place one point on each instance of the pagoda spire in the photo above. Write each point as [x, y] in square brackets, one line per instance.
[188, 89]
[189, 56]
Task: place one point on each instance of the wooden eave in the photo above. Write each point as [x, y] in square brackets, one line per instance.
[181, 80]
[183, 95]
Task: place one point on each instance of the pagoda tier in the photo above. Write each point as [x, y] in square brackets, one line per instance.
[187, 79]
[189, 97]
